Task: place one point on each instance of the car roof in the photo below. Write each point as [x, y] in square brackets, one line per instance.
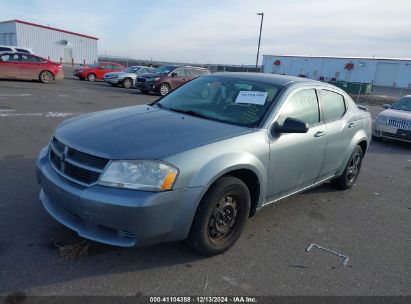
[281, 80]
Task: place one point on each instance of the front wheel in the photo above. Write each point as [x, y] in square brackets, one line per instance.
[221, 217]
[164, 89]
[351, 172]
[91, 77]
[46, 77]
[127, 83]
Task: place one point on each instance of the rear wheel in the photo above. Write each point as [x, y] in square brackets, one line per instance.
[164, 89]
[91, 77]
[127, 83]
[46, 77]
[351, 172]
[221, 217]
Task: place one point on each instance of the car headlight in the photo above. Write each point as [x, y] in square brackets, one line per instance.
[382, 120]
[153, 79]
[139, 175]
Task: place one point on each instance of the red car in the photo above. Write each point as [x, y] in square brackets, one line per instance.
[97, 71]
[27, 66]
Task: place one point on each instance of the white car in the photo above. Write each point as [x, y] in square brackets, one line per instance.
[127, 78]
[395, 121]
[9, 48]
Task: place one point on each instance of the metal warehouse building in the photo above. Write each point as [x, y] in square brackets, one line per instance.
[56, 44]
[378, 71]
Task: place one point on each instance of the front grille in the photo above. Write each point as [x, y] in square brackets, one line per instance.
[141, 79]
[400, 124]
[79, 167]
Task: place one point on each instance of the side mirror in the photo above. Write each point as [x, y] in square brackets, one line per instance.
[291, 125]
[101, 68]
[174, 74]
[386, 106]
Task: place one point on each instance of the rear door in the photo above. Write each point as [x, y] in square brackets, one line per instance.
[9, 66]
[341, 129]
[296, 158]
[178, 79]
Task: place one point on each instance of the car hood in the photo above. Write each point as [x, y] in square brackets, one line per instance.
[397, 114]
[141, 132]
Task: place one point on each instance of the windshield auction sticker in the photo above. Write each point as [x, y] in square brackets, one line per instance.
[252, 97]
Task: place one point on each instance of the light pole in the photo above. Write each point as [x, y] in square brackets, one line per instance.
[259, 38]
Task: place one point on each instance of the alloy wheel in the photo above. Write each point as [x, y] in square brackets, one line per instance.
[353, 167]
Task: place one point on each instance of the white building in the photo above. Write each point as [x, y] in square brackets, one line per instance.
[48, 42]
[378, 71]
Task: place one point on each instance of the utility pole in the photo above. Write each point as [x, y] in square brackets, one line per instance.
[259, 38]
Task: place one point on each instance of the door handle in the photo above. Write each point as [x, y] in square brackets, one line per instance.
[319, 134]
[351, 124]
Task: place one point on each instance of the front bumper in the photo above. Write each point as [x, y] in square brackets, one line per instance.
[147, 86]
[383, 131]
[112, 80]
[114, 216]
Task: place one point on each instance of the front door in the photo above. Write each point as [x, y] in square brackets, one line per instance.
[68, 55]
[178, 79]
[29, 67]
[296, 158]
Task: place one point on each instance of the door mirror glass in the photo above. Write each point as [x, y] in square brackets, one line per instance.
[290, 125]
[174, 74]
[386, 106]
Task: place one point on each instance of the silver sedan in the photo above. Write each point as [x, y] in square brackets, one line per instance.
[195, 166]
[127, 78]
[395, 121]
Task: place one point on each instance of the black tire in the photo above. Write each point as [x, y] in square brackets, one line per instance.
[221, 217]
[351, 172]
[127, 83]
[164, 89]
[91, 77]
[46, 77]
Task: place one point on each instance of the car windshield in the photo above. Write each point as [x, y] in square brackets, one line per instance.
[164, 69]
[131, 70]
[227, 99]
[404, 104]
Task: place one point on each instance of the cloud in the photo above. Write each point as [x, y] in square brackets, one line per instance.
[227, 31]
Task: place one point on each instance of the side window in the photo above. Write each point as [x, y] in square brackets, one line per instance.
[302, 105]
[333, 105]
[180, 72]
[118, 67]
[28, 58]
[5, 49]
[192, 73]
[105, 67]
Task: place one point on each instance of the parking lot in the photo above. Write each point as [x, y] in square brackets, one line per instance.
[371, 223]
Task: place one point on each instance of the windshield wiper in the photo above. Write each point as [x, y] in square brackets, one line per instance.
[193, 113]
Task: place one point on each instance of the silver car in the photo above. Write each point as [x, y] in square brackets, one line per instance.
[395, 121]
[194, 166]
[127, 78]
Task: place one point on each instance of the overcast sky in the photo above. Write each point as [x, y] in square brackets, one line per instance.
[226, 31]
